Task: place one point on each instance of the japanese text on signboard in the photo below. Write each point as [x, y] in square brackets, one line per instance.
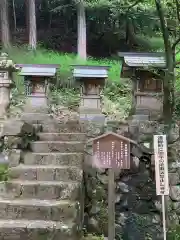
[112, 153]
[161, 166]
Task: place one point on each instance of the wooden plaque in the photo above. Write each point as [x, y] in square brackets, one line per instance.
[112, 151]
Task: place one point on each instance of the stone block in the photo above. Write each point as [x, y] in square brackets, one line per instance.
[56, 146]
[143, 127]
[174, 193]
[14, 157]
[99, 118]
[136, 151]
[33, 209]
[23, 173]
[64, 211]
[68, 174]
[140, 117]
[3, 212]
[13, 142]
[80, 137]
[174, 133]
[46, 174]
[174, 178]
[53, 126]
[36, 230]
[68, 159]
[16, 128]
[34, 117]
[36, 104]
[3, 190]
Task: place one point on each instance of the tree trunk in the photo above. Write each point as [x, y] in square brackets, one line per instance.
[169, 79]
[26, 6]
[5, 35]
[81, 21]
[14, 14]
[32, 25]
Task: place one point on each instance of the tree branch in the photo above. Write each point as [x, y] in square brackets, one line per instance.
[133, 5]
[178, 9]
[167, 44]
[175, 44]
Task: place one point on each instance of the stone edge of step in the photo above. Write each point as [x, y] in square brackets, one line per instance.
[37, 202]
[35, 224]
[24, 167]
[60, 142]
[36, 182]
[54, 153]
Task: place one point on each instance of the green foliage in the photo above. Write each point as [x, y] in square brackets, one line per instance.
[106, 24]
[178, 56]
[68, 97]
[177, 93]
[3, 172]
[174, 233]
[92, 237]
[115, 95]
[116, 98]
[154, 43]
[42, 56]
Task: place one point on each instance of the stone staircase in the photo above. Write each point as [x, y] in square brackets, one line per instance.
[44, 193]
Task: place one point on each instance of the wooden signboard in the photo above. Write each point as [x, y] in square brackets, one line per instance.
[161, 173]
[112, 151]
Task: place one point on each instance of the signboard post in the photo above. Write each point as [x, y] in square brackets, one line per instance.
[161, 173]
[112, 151]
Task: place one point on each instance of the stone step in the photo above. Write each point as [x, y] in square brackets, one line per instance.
[44, 189]
[144, 111]
[45, 173]
[61, 127]
[68, 159]
[35, 117]
[62, 137]
[56, 146]
[140, 117]
[36, 209]
[36, 230]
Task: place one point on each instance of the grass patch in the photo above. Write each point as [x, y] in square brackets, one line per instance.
[3, 172]
[150, 44]
[64, 93]
[42, 56]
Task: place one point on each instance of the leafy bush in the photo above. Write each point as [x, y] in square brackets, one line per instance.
[43, 56]
[3, 172]
[174, 233]
[93, 237]
[68, 97]
[177, 93]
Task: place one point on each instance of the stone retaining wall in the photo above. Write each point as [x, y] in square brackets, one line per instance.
[15, 137]
[138, 209]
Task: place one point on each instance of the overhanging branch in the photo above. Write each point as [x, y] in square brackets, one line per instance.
[178, 9]
[175, 44]
[134, 4]
[167, 45]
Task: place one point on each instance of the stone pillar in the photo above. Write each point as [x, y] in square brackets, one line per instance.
[6, 69]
